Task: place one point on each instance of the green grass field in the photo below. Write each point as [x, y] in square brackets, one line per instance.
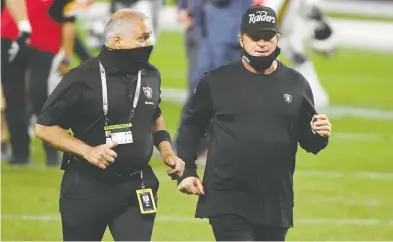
[344, 193]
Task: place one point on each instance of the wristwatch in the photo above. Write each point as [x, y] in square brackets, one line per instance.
[66, 61]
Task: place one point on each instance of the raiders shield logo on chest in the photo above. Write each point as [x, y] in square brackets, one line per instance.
[148, 92]
[287, 97]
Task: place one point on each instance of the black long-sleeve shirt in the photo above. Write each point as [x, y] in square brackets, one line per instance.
[255, 124]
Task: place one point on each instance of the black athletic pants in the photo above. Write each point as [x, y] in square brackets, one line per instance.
[13, 77]
[91, 203]
[231, 227]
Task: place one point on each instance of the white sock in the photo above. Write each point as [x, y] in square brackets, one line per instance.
[321, 98]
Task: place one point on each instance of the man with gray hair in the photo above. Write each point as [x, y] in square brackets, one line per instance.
[112, 105]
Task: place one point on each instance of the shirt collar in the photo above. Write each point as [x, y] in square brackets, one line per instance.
[107, 61]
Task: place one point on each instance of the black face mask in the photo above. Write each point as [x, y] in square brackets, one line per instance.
[261, 63]
[129, 60]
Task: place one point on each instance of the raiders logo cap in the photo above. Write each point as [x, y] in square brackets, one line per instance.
[259, 18]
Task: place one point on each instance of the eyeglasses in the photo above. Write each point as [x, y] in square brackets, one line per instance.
[265, 35]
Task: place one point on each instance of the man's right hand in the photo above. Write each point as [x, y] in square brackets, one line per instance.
[191, 185]
[18, 46]
[101, 156]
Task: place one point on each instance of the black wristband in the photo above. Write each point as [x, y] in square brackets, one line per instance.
[160, 136]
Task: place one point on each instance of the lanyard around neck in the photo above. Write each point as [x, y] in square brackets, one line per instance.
[105, 106]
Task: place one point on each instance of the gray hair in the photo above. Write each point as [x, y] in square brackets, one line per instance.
[120, 24]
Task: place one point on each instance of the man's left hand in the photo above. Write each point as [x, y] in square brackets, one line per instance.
[63, 68]
[177, 165]
[321, 125]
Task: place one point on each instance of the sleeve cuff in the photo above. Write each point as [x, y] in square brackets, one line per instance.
[45, 121]
[190, 170]
[157, 114]
[319, 143]
[69, 19]
[320, 139]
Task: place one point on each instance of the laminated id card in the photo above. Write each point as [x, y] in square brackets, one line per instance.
[146, 201]
[119, 134]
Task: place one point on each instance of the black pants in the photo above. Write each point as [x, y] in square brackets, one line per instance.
[89, 203]
[13, 77]
[231, 227]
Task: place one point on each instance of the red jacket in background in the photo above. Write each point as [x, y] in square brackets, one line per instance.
[46, 33]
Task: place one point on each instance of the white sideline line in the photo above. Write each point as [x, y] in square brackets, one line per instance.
[337, 174]
[361, 175]
[348, 111]
[373, 175]
[317, 173]
[347, 201]
[334, 221]
[340, 221]
[368, 137]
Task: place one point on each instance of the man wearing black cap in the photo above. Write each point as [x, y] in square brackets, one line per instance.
[259, 111]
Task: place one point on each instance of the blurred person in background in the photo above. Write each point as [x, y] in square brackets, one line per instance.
[18, 11]
[302, 22]
[151, 8]
[29, 46]
[61, 12]
[189, 14]
[217, 28]
[81, 49]
[4, 147]
[65, 11]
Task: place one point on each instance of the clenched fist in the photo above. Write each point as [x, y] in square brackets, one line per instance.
[191, 185]
[321, 125]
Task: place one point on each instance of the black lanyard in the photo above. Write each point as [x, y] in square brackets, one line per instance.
[105, 106]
